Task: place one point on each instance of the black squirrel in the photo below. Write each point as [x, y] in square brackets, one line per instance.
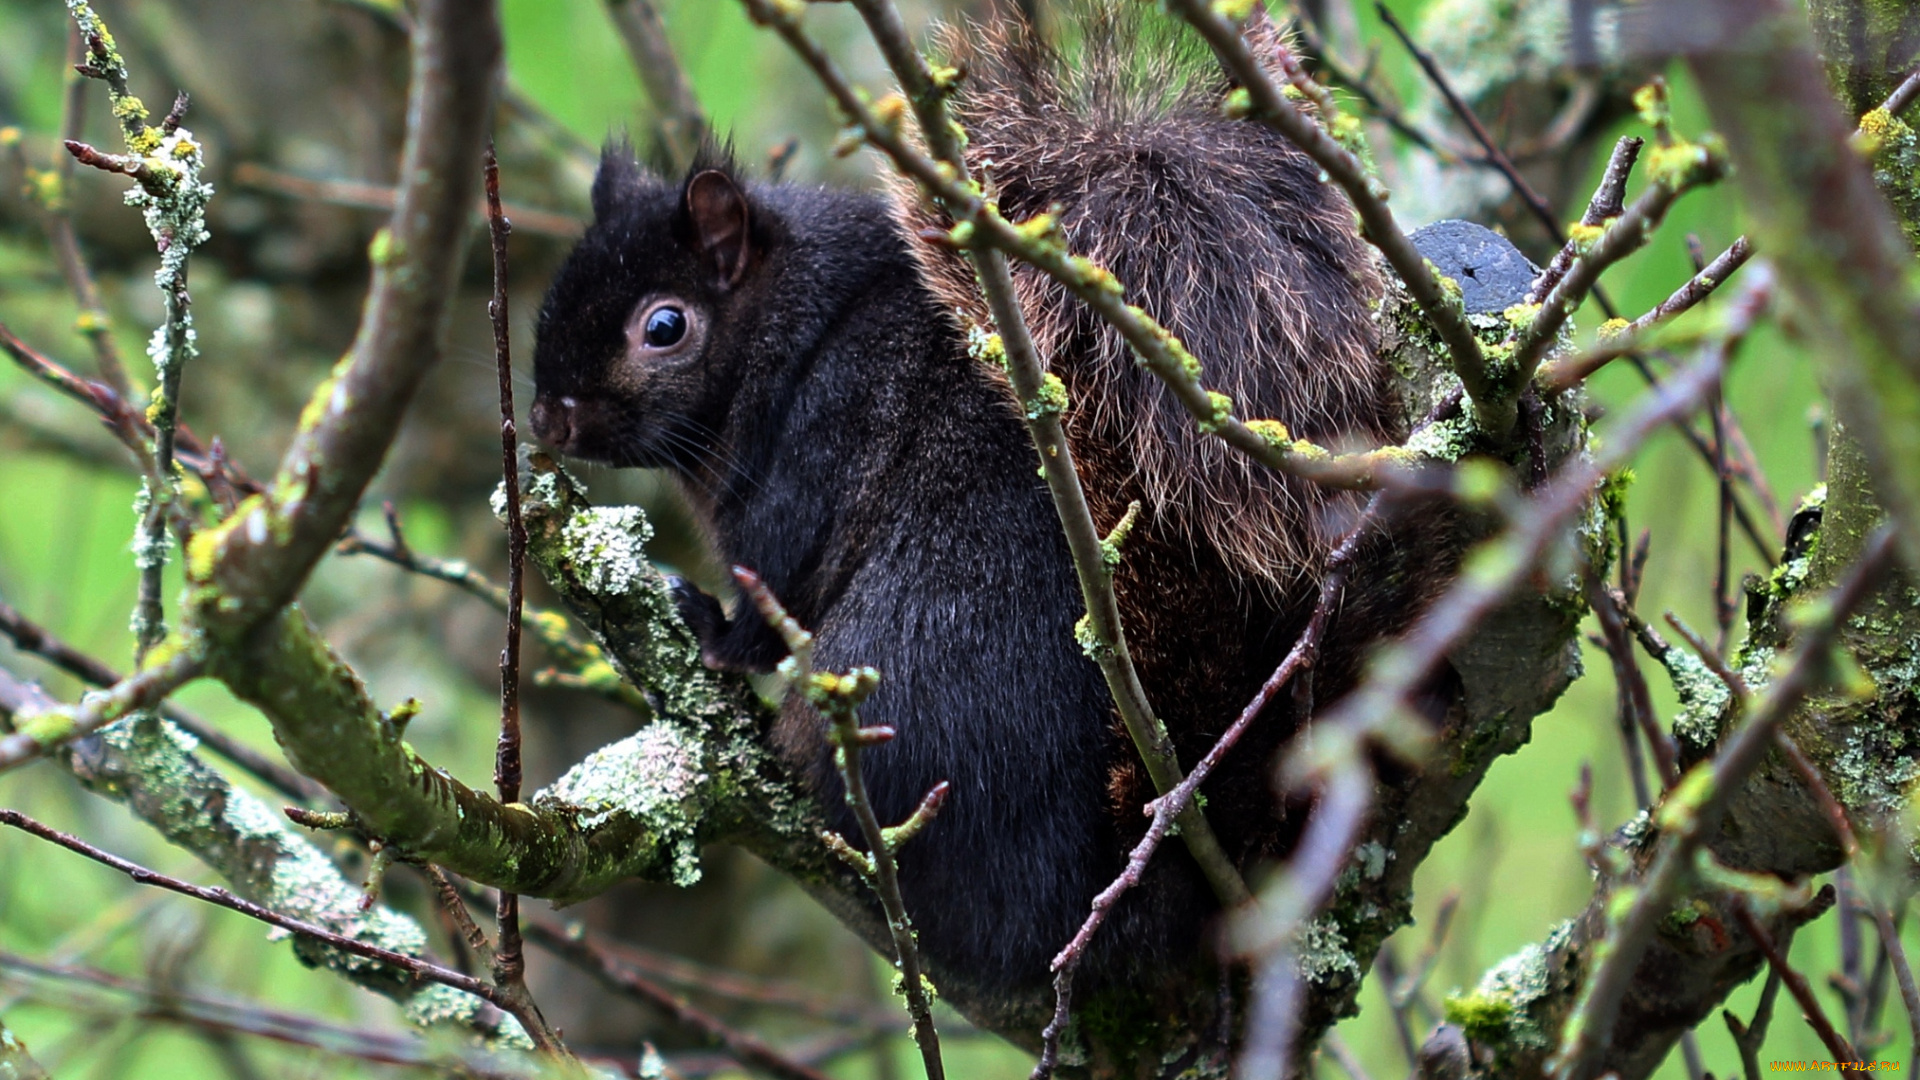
[798, 357]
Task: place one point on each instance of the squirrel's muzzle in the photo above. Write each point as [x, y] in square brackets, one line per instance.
[553, 422]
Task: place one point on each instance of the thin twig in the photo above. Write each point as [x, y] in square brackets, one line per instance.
[94, 321]
[1896, 954]
[1625, 235]
[413, 966]
[1637, 718]
[1796, 984]
[1565, 372]
[1386, 965]
[1609, 200]
[31, 637]
[838, 697]
[745, 1047]
[1495, 156]
[1167, 808]
[1376, 100]
[1689, 824]
[509, 955]
[1750, 1036]
[356, 195]
[128, 425]
[37, 732]
[1903, 95]
[1723, 606]
[1343, 796]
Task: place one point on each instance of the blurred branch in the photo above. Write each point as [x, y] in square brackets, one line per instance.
[412, 965]
[1813, 203]
[359, 196]
[616, 977]
[58, 219]
[1373, 97]
[682, 123]
[88, 990]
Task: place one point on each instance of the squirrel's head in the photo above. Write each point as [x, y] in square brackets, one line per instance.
[636, 325]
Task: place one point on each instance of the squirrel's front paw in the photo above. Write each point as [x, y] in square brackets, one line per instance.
[702, 613]
[745, 644]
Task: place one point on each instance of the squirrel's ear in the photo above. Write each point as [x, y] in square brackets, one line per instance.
[721, 223]
[618, 174]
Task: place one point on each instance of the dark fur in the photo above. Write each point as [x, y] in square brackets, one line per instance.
[840, 442]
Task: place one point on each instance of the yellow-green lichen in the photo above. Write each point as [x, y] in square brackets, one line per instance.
[1049, 400]
[1219, 411]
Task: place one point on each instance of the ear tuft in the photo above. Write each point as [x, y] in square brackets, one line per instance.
[618, 175]
[722, 223]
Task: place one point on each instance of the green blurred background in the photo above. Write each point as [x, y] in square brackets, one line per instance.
[312, 89]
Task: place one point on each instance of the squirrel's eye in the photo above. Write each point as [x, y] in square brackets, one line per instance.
[665, 327]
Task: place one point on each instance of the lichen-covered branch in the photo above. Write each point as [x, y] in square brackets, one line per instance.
[29, 636]
[1690, 817]
[1508, 644]
[42, 726]
[166, 164]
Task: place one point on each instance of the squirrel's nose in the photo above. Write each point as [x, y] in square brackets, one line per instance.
[553, 421]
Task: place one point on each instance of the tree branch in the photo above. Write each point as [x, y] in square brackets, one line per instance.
[246, 570]
[683, 124]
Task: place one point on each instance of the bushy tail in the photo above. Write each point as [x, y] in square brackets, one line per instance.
[1220, 229]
